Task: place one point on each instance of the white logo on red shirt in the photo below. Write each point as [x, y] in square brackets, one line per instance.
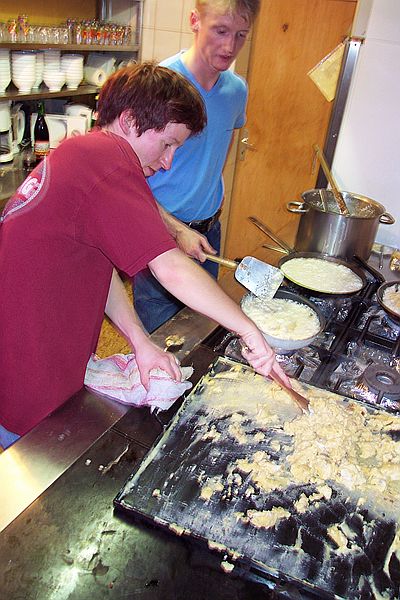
[27, 191]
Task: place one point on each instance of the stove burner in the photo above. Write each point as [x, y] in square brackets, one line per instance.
[356, 355]
[395, 325]
[382, 380]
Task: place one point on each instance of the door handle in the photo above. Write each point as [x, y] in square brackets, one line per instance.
[245, 145]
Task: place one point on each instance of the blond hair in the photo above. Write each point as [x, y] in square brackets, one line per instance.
[249, 7]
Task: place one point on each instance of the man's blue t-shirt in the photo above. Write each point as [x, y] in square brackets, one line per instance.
[193, 188]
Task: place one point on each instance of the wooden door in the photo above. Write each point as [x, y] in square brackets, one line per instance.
[286, 115]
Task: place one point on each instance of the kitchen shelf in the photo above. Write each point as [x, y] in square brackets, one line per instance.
[43, 92]
[12, 92]
[70, 47]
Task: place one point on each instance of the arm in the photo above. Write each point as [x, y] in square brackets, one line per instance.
[189, 241]
[148, 356]
[193, 286]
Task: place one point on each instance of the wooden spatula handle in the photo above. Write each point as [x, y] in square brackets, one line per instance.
[300, 400]
[328, 174]
[226, 262]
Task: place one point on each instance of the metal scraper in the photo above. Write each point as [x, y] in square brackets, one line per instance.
[262, 279]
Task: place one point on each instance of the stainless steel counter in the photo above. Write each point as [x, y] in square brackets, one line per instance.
[69, 542]
[38, 459]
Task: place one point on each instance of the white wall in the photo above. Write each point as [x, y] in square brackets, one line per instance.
[367, 157]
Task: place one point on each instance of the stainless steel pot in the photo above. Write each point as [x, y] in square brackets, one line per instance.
[323, 229]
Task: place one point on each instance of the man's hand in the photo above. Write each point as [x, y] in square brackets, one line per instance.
[193, 244]
[190, 241]
[149, 356]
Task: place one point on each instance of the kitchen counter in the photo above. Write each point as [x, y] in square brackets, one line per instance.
[71, 544]
[61, 537]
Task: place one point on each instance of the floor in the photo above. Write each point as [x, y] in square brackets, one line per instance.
[110, 341]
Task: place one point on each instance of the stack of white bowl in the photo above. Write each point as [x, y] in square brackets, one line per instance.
[23, 70]
[39, 70]
[5, 70]
[72, 65]
[53, 75]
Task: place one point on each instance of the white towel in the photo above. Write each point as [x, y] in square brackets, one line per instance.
[103, 61]
[95, 76]
[117, 377]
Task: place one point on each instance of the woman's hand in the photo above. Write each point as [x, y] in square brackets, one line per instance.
[149, 356]
[261, 356]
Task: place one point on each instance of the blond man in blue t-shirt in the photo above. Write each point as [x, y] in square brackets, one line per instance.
[190, 194]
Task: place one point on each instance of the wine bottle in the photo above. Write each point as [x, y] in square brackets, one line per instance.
[41, 135]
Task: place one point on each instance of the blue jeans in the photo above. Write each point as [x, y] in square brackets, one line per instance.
[7, 438]
[153, 304]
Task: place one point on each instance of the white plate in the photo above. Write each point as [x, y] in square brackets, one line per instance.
[61, 127]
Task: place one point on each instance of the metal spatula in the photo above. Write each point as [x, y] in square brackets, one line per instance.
[257, 276]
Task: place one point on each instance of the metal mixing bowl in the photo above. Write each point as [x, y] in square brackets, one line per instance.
[282, 346]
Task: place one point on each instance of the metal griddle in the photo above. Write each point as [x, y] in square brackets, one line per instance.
[165, 491]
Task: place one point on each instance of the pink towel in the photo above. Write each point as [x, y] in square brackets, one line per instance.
[117, 377]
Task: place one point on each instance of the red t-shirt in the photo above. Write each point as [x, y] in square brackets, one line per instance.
[84, 210]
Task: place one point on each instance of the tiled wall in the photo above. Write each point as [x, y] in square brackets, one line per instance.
[166, 30]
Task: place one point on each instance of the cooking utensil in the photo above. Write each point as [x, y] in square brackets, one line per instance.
[332, 259]
[379, 295]
[323, 196]
[187, 460]
[290, 253]
[337, 194]
[259, 277]
[285, 346]
[265, 229]
[301, 401]
[323, 229]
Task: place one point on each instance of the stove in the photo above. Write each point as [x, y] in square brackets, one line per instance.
[358, 353]
[358, 356]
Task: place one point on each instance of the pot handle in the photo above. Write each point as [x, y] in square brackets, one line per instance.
[265, 229]
[275, 248]
[296, 207]
[386, 219]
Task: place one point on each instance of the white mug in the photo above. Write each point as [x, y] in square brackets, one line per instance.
[79, 110]
[18, 124]
[5, 116]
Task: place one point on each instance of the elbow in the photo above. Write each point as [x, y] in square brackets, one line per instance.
[168, 268]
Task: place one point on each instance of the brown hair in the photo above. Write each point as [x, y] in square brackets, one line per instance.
[154, 95]
[249, 7]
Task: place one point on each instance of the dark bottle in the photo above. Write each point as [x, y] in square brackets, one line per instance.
[41, 136]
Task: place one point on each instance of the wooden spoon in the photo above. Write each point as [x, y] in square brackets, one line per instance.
[337, 194]
[301, 401]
